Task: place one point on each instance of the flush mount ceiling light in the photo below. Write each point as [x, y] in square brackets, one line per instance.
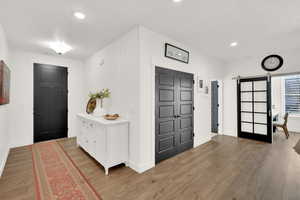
[177, 1]
[60, 47]
[234, 44]
[79, 15]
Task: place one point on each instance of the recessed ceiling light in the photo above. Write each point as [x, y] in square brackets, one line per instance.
[79, 15]
[234, 44]
[177, 1]
[60, 47]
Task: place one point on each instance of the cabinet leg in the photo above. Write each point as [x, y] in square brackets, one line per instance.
[106, 171]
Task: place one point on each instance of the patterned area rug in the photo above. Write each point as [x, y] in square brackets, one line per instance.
[56, 176]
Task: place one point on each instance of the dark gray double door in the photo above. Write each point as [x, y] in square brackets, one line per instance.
[174, 113]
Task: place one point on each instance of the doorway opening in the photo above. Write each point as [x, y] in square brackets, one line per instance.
[285, 106]
[267, 105]
[50, 111]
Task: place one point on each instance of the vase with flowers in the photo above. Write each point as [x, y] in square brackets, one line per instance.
[100, 96]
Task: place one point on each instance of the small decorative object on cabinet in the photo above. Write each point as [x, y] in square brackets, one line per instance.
[111, 117]
[91, 105]
[105, 140]
[100, 96]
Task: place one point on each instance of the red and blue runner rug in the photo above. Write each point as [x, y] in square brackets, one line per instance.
[56, 175]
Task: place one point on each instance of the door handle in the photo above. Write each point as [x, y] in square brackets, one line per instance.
[37, 114]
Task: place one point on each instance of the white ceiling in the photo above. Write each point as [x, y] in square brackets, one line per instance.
[260, 26]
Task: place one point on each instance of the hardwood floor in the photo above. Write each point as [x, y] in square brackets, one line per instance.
[224, 168]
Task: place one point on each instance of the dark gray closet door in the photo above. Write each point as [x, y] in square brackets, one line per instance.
[214, 107]
[173, 113]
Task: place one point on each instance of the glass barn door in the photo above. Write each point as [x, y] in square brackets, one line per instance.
[254, 109]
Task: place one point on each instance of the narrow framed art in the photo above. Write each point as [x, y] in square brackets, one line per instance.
[4, 83]
[176, 53]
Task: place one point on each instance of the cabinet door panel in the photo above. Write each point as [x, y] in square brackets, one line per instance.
[92, 138]
[117, 150]
[101, 145]
[83, 137]
[80, 132]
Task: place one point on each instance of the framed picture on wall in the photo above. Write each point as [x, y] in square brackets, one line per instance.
[176, 53]
[4, 83]
[202, 85]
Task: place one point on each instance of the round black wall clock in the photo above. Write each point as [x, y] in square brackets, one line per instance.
[272, 63]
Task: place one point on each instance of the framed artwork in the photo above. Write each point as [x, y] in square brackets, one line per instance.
[202, 85]
[176, 53]
[4, 83]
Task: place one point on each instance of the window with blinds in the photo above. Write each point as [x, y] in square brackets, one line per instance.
[292, 95]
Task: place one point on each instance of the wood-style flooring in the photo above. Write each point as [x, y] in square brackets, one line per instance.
[224, 168]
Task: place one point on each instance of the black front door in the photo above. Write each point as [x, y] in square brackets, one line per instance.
[254, 109]
[174, 116]
[214, 107]
[50, 102]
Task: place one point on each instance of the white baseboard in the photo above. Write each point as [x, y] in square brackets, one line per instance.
[3, 161]
[230, 134]
[198, 142]
[141, 168]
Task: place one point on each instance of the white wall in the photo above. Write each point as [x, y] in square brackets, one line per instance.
[277, 95]
[4, 109]
[21, 108]
[248, 67]
[128, 71]
[119, 73]
[152, 54]
[294, 124]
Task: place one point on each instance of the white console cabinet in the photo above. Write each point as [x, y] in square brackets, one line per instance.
[106, 141]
